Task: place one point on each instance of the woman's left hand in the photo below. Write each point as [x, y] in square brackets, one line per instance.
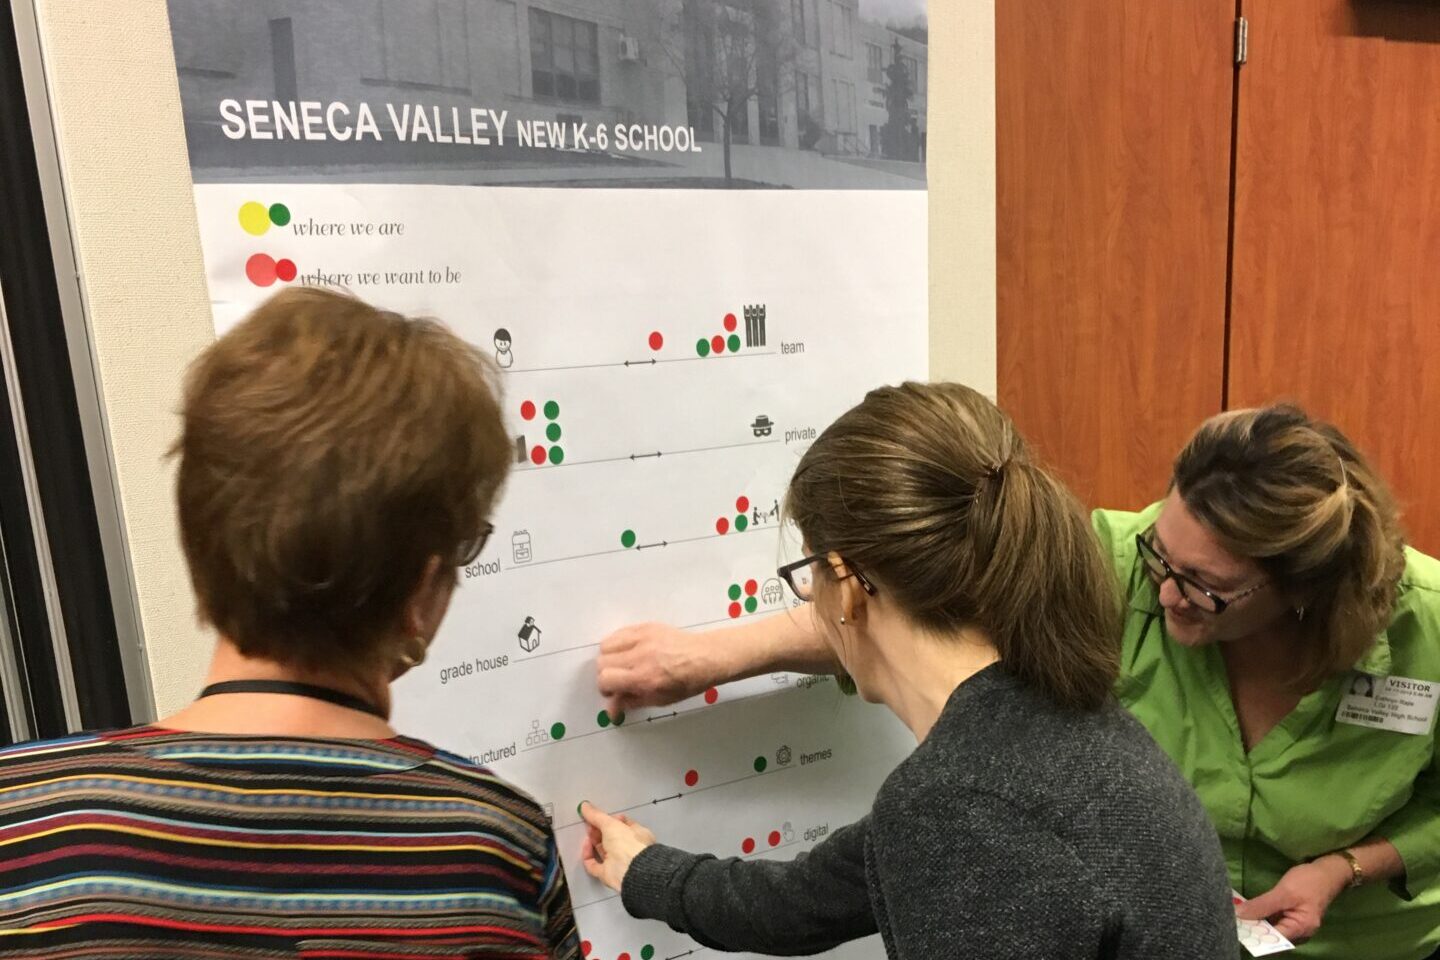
[1298, 902]
[611, 843]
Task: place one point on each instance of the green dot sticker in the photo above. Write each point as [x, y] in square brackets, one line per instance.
[619, 720]
[557, 456]
[759, 764]
[733, 343]
[741, 522]
[702, 347]
[552, 433]
[552, 409]
[627, 539]
[734, 591]
[751, 604]
[279, 214]
[557, 731]
[647, 952]
[603, 719]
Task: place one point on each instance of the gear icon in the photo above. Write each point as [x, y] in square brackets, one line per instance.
[783, 756]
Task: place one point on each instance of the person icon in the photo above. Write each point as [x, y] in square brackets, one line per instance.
[1362, 685]
[503, 356]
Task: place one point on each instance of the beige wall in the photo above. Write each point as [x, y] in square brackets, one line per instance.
[116, 108]
[962, 190]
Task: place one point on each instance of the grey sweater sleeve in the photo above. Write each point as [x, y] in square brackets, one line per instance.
[783, 908]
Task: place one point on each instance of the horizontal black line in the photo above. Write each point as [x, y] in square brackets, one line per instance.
[551, 653]
[578, 556]
[643, 363]
[575, 366]
[728, 356]
[582, 906]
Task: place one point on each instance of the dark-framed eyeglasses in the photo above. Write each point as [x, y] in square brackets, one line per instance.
[800, 575]
[1207, 601]
[469, 550]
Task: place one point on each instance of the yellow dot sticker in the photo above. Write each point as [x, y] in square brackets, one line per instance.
[254, 218]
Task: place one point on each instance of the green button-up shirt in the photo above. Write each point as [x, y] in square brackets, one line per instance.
[1311, 785]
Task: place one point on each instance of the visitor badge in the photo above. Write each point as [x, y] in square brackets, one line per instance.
[1398, 704]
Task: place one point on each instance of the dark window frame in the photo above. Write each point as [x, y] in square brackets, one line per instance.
[564, 57]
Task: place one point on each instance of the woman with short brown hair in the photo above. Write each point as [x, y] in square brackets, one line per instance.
[337, 463]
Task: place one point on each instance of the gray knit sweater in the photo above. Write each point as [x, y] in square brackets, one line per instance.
[1017, 829]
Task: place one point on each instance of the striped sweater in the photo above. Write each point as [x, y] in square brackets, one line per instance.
[159, 844]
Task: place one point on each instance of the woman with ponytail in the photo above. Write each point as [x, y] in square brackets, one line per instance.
[1279, 642]
[959, 584]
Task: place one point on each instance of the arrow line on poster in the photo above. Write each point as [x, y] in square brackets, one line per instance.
[658, 454]
[592, 646]
[644, 546]
[643, 363]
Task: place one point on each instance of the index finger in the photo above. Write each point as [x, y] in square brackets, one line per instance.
[594, 816]
[1261, 907]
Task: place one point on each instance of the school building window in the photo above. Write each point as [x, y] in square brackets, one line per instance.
[797, 16]
[875, 54]
[917, 79]
[806, 96]
[842, 34]
[844, 106]
[564, 57]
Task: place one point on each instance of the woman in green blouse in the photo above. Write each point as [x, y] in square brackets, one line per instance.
[1282, 646]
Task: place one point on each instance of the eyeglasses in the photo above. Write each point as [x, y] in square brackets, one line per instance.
[800, 575]
[1159, 570]
[468, 550]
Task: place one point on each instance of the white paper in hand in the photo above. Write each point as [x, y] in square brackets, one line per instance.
[1258, 936]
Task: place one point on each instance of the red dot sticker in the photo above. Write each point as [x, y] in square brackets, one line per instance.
[742, 504]
[734, 610]
[584, 948]
[712, 695]
[729, 323]
[774, 838]
[749, 845]
[261, 271]
[537, 456]
[656, 340]
[722, 526]
[285, 270]
[623, 956]
[717, 343]
[692, 777]
[750, 587]
[527, 410]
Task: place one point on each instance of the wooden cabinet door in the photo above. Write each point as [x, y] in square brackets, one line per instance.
[1113, 127]
[1336, 296]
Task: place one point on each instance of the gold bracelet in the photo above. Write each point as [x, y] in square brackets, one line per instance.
[1357, 872]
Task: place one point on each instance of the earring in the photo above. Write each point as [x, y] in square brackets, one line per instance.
[1300, 612]
[413, 652]
[842, 621]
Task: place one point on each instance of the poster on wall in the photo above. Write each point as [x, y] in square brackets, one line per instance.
[689, 233]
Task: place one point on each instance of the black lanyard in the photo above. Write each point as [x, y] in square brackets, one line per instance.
[296, 690]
